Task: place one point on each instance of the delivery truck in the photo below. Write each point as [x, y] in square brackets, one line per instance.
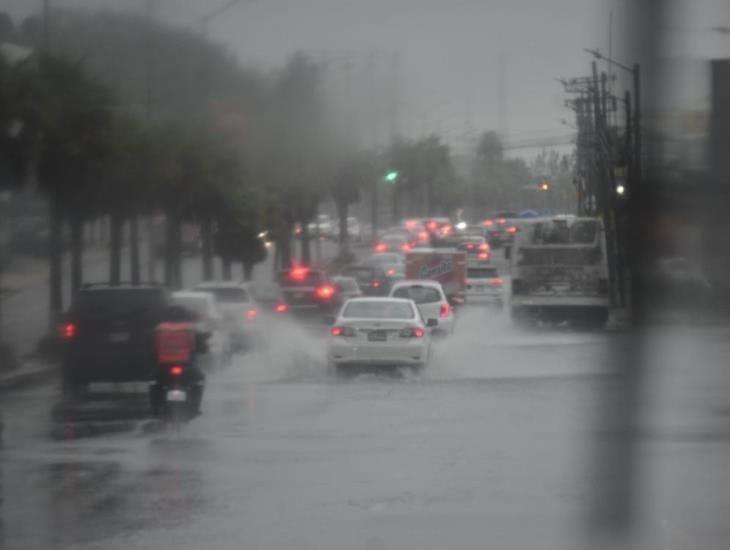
[445, 265]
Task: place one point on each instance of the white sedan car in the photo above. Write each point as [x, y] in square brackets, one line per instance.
[208, 319]
[431, 300]
[380, 331]
[240, 313]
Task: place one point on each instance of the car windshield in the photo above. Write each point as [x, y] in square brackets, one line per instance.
[418, 293]
[383, 309]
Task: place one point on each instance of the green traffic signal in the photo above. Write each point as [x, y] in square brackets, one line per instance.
[391, 177]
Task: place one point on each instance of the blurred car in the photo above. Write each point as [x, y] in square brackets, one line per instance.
[240, 313]
[392, 264]
[484, 285]
[326, 229]
[393, 242]
[108, 334]
[477, 249]
[500, 228]
[379, 331]
[431, 300]
[440, 227]
[354, 231]
[371, 279]
[347, 287]
[269, 298]
[307, 291]
[209, 319]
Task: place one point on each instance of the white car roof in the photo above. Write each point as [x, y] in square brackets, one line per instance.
[193, 294]
[418, 282]
[220, 284]
[379, 299]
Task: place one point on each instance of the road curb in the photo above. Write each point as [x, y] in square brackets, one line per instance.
[27, 375]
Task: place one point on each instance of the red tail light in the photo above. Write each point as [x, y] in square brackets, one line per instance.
[410, 224]
[281, 308]
[68, 331]
[487, 223]
[501, 221]
[342, 331]
[381, 247]
[423, 236]
[325, 292]
[412, 332]
[405, 247]
[390, 272]
[251, 314]
[176, 370]
[483, 256]
[470, 246]
[375, 284]
[298, 273]
[445, 310]
[495, 282]
[512, 230]
[484, 247]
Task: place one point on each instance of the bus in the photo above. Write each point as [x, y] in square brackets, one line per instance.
[559, 272]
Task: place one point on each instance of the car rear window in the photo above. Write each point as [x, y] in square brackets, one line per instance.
[199, 306]
[230, 295]
[361, 274]
[348, 285]
[302, 278]
[100, 303]
[481, 272]
[419, 294]
[266, 292]
[385, 309]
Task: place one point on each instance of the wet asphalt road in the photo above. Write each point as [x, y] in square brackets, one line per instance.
[489, 447]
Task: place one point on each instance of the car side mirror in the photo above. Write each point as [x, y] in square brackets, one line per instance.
[507, 252]
[329, 319]
[432, 323]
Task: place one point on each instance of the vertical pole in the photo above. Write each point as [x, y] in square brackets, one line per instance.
[637, 124]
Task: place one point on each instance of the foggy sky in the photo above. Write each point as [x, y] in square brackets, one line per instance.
[447, 50]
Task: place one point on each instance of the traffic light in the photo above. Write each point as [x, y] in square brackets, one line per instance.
[391, 177]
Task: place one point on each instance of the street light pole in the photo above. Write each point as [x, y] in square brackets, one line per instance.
[635, 71]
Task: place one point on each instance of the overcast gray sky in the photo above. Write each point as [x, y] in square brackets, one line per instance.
[448, 50]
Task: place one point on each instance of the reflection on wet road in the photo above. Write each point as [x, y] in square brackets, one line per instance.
[490, 443]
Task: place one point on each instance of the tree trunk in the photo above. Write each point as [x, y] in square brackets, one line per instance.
[247, 271]
[226, 268]
[173, 235]
[55, 276]
[343, 237]
[134, 264]
[77, 250]
[116, 225]
[305, 253]
[206, 237]
[151, 249]
[284, 246]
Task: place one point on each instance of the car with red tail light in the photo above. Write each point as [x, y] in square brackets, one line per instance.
[240, 312]
[107, 335]
[308, 292]
[371, 279]
[380, 331]
[430, 299]
[484, 285]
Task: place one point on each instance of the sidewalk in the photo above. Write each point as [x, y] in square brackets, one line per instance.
[30, 371]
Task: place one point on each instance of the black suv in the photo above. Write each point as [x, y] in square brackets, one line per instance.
[308, 291]
[108, 334]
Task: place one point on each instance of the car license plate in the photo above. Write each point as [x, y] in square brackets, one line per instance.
[118, 337]
[377, 336]
[176, 396]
